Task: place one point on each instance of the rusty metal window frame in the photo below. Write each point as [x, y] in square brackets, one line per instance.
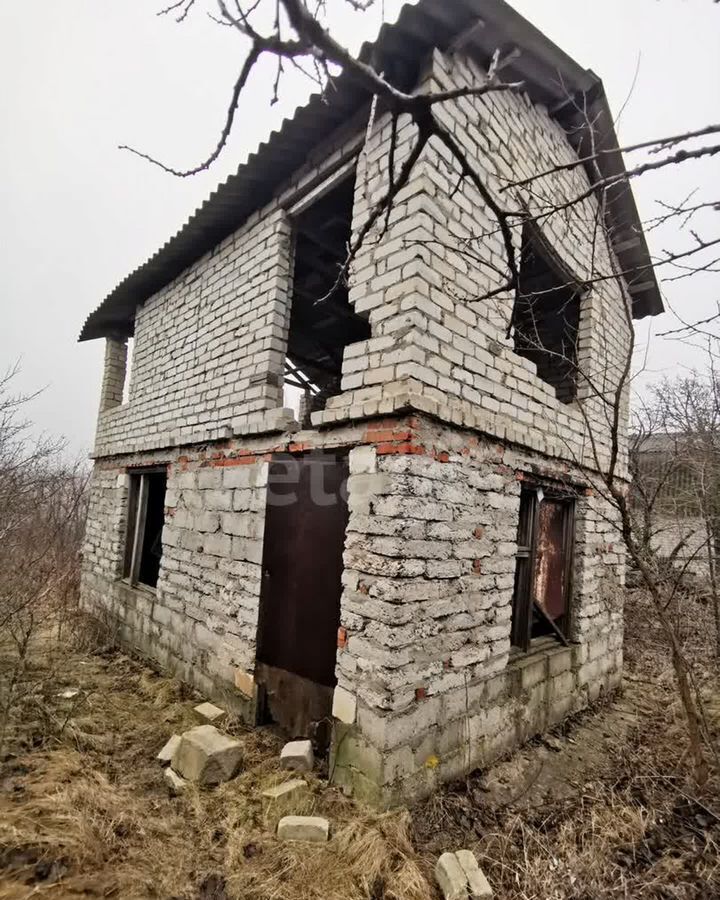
[136, 520]
[523, 604]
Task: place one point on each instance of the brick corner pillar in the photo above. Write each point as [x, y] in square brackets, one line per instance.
[114, 369]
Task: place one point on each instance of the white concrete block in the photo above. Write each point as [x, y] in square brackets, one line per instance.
[285, 790]
[210, 712]
[297, 755]
[207, 756]
[451, 877]
[477, 882]
[344, 706]
[303, 828]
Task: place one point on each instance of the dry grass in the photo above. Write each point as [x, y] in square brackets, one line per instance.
[84, 811]
[624, 821]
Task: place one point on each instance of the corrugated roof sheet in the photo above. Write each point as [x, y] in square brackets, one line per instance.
[549, 74]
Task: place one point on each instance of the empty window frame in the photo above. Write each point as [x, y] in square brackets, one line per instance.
[322, 321]
[546, 315]
[543, 568]
[146, 517]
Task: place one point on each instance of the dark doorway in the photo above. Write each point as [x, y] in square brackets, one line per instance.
[299, 615]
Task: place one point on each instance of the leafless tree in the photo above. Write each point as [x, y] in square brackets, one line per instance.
[677, 475]
[42, 514]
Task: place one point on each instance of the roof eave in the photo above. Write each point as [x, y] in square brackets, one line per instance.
[552, 77]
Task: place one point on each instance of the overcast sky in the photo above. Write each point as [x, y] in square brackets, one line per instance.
[80, 77]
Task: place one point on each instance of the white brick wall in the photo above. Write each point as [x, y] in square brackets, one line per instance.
[430, 548]
[427, 588]
[440, 252]
[210, 346]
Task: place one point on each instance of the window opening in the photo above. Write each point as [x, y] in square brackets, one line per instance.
[543, 569]
[321, 326]
[546, 317]
[146, 517]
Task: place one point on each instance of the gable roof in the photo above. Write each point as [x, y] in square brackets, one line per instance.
[551, 77]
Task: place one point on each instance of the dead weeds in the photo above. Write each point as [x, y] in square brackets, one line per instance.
[600, 809]
[604, 807]
[84, 810]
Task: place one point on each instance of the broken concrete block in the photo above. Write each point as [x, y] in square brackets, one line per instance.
[286, 789]
[451, 877]
[174, 781]
[210, 712]
[344, 705]
[478, 884]
[165, 756]
[207, 756]
[297, 755]
[303, 828]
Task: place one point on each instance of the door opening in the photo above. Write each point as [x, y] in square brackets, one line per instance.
[305, 522]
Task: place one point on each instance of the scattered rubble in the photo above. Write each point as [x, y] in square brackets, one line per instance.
[174, 781]
[297, 755]
[210, 712]
[286, 789]
[69, 693]
[460, 877]
[207, 756]
[303, 828]
[167, 752]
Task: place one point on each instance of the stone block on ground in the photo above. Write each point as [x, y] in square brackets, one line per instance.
[174, 781]
[210, 712]
[451, 877]
[477, 882]
[303, 828]
[460, 877]
[207, 756]
[165, 755]
[297, 755]
[287, 789]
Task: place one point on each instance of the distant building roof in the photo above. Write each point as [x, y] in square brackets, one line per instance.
[550, 76]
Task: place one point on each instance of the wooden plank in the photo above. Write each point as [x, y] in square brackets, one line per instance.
[139, 535]
[323, 188]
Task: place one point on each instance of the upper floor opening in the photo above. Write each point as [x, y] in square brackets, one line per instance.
[322, 321]
[546, 316]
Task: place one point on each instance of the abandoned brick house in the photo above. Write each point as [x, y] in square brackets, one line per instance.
[413, 568]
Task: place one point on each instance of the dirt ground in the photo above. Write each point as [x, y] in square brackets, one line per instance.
[602, 808]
